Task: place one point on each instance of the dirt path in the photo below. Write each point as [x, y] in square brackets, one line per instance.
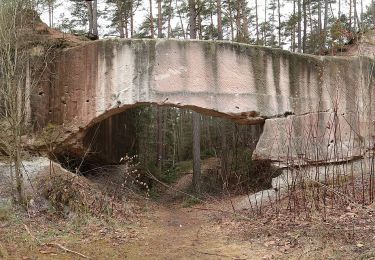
[181, 233]
[173, 232]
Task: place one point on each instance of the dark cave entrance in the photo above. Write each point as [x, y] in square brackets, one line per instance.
[161, 139]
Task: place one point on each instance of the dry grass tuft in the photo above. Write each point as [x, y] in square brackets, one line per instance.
[69, 192]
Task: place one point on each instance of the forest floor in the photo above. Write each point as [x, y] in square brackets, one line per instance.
[174, 227]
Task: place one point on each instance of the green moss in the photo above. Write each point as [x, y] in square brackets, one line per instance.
[294, 67]
[190, 201]
[276, 71]
[259, 69]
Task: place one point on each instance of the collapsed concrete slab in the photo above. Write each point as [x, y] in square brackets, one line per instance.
[312, 139]
[248, 84]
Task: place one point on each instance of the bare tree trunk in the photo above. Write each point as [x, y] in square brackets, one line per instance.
[193, 19]
[131, 20]
[17, 165]
[325, 23]
[151, 22]
[310, 17]
[224, 158]
[238, 21]
[50, 13]
[181, 22]
[126, 26]
[90, 16]
[279, 14]
[196, 153]
[95, 18]
[304, 27]
[299, 43]
[361, 14]
[294, 28]
[121, 22]
[159, 148]
[211, 25]
[355, 15]
[160, 21]
[200, 34]
[196, 116]
[319, 18]
[265, 24]
[169, 19]
[256, 21]
[359, 24]
[350, 15]
[245, 25]
[219, 22]
[15, 86]
[231, 20]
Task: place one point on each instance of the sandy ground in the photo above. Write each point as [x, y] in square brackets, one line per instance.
[166, 229]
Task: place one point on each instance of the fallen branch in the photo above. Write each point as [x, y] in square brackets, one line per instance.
[215, 254]
[67, 249]
[32, 236]
[53, 244]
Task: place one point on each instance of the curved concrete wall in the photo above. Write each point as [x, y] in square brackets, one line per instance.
[246, 83]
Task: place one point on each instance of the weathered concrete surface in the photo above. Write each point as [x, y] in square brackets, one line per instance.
[245, 83]
[313, 138]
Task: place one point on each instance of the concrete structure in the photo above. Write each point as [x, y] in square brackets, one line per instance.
[307, 103]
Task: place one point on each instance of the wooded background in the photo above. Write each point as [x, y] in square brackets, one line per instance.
[308, 26]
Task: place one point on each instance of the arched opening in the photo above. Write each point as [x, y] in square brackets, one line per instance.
[161, 139]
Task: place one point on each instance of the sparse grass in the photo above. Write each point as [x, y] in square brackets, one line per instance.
[5, 211]
[367, 255]
[169, 176]
[154, 193]
[71, 193]
[184, 166]
[190, 201]
[2, 254]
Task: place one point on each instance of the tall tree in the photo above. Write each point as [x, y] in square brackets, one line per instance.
[325, 24]
[304, 26]
[159, 142]
[196, 152]
[299, 42]
[279, 19]
[238, 20]
[230, 12]
[265, 23]
[195, 115]
[245, 22]
[160, 20]
[219, 20]
[51, 8]
[170, 16]
[151, 18]
[92, 13]
[256, 21]
[293, 41]
[193, 19]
